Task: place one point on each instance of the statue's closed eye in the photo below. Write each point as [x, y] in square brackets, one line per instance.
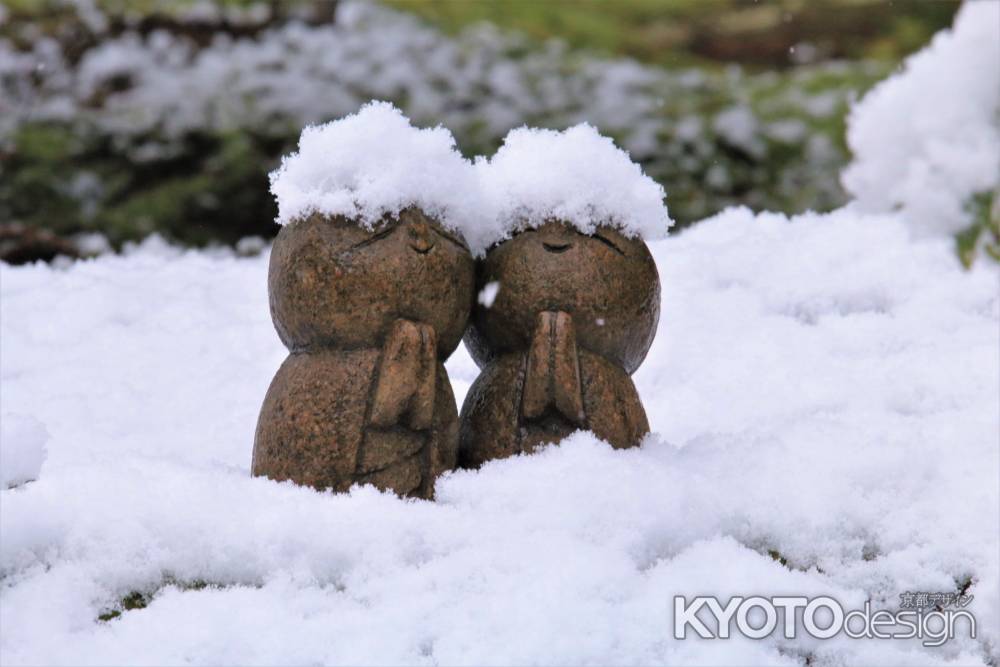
[603, 238]
[374, 238]
[448, 237]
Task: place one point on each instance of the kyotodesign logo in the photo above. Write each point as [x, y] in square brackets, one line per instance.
[933, 618]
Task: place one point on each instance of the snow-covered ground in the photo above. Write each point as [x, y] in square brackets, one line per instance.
[824, 388]
[823, 393]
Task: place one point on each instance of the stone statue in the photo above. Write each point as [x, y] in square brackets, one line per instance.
[368, 316]
[573, 316]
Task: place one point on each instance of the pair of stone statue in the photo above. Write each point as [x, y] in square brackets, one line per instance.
[369, 317]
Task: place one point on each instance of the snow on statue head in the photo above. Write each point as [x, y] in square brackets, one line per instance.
[370, 289]
[370, 204]
[575, 292]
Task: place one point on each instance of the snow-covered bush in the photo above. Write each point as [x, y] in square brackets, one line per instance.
[927, 140]
[140, 131]
[22, 449]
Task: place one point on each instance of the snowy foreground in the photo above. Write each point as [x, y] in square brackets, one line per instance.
[825, 389]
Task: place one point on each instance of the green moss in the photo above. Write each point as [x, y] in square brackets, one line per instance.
[984, 231]
[136, 600]
[38, 175]
[41, 143]
[132, 601]
[777, 557]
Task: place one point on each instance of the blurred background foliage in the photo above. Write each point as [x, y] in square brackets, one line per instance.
[707, 32]
[121, 118]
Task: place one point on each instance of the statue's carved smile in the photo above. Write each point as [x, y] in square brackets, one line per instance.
[422, 246]
[421, 238]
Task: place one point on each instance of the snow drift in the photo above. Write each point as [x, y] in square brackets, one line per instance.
[927, 139]
[22, 449]
[822, 390]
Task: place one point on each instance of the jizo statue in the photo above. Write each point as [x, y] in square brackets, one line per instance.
[368, 317]
[370, 299]
[572, 319]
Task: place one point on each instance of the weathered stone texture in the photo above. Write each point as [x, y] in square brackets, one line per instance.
[369, 318]
[573, 317]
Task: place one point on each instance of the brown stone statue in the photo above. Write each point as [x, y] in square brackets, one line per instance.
[368, 318]
[573, 317]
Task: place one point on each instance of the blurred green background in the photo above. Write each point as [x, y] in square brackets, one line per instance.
[121, 119]
[707, 32]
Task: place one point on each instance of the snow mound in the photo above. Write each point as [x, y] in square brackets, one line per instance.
[22, 449]
[927, 139]
[374, 163]
[822, 390]
[576, 175]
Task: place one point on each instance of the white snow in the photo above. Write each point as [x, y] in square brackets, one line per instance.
[22, 449]
[575, 175]
[488, 294]
[824, 387]
[927, 139]
[375, 163]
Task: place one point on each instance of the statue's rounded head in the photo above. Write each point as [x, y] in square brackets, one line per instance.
[606, 281]
[334, 283]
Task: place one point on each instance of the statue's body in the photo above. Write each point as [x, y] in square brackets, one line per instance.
[573, 317]
[369, 318]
